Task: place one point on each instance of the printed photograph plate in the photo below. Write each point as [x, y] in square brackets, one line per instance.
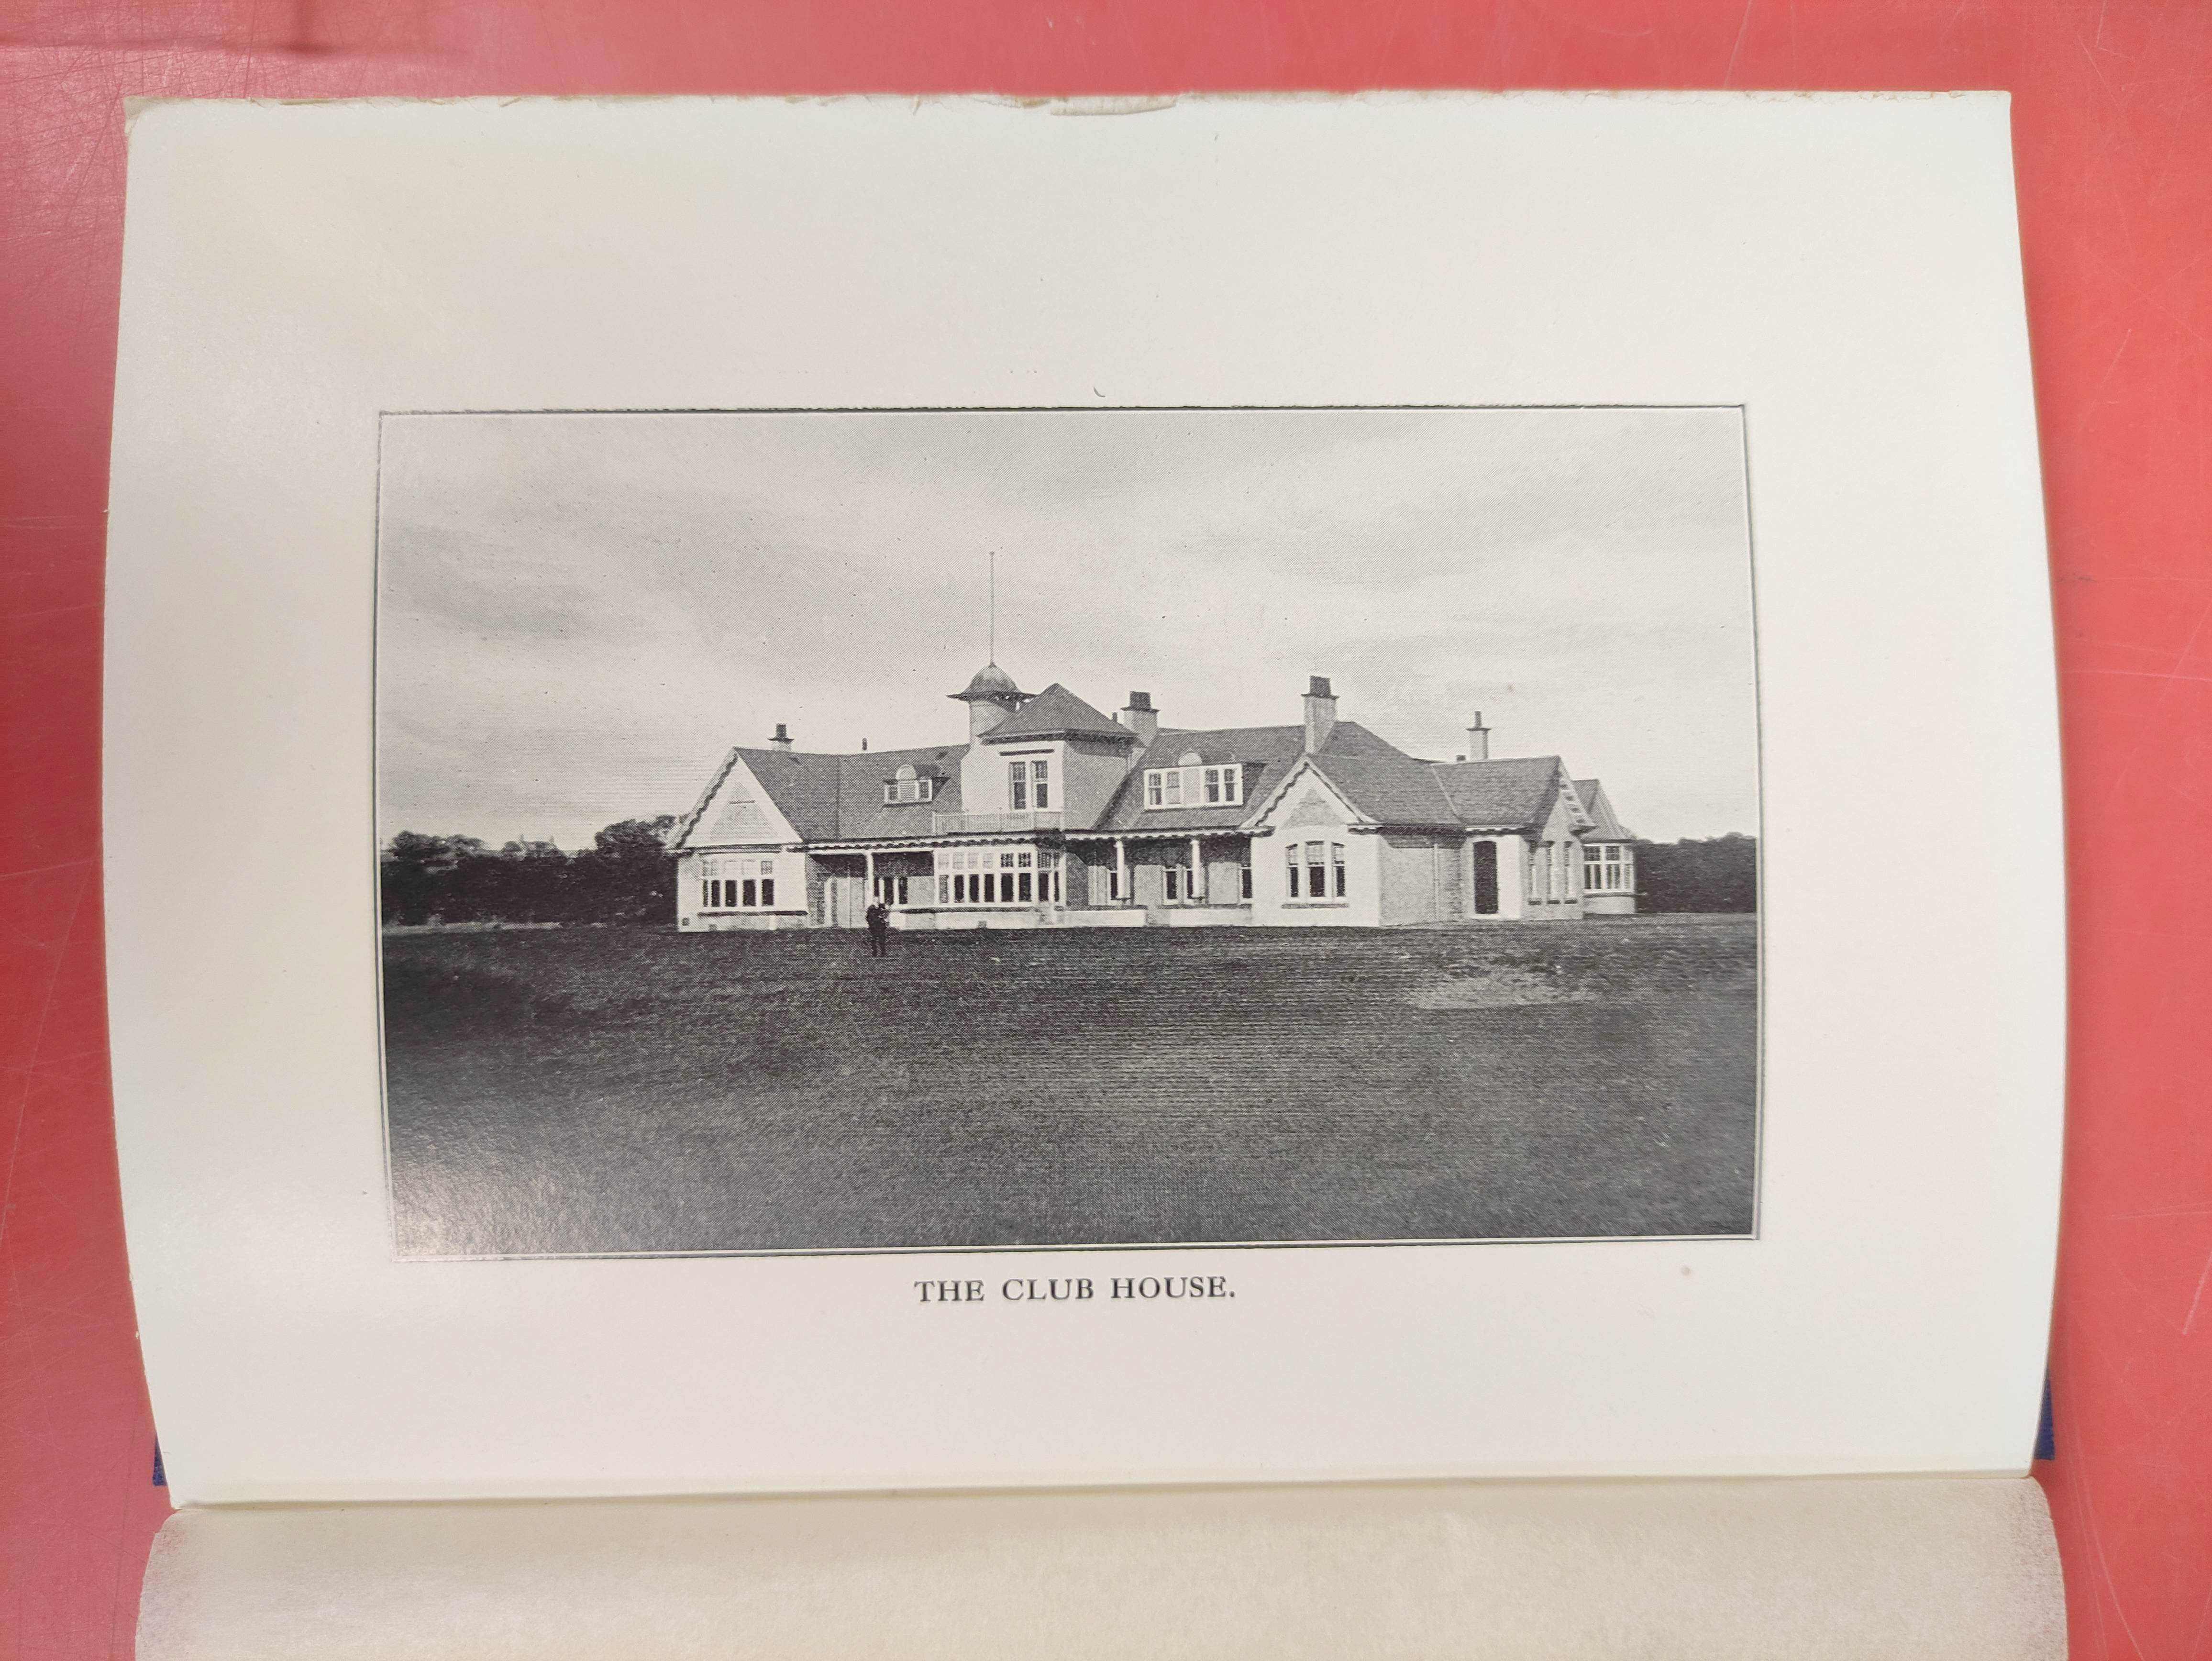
[873, 830]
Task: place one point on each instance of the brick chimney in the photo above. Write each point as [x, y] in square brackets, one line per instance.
[781, 741]
[1478, 740]
[1321, 713]
[1140, 718]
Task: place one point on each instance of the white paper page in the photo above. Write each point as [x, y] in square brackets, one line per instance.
[1833, 281]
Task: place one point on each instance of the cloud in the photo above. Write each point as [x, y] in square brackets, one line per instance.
[579, 613]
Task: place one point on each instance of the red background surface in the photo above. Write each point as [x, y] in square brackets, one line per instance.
[2112, 117]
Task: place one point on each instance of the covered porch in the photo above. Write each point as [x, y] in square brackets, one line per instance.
[1169, 878]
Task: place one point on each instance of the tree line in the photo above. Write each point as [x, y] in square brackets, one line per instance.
[1711, 873]
[626, 875]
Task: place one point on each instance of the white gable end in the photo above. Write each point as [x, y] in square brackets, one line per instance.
[739, 814]
[1304, 797]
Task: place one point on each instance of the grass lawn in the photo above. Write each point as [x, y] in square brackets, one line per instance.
[584, 1090]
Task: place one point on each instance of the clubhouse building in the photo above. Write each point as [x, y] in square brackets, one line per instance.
[1055, 815]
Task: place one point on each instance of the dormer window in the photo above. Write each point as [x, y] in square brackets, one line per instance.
[906, 785]
[1194, 786]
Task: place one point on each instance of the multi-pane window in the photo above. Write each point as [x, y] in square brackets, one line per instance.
[891, 890]
[734, 883]
[1184, 882]
[1608, 868]
[1194, 787]
[1244, 877]
[1029, 785]
[1315, 871]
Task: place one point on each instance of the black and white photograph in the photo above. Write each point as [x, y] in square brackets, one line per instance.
[878, 829]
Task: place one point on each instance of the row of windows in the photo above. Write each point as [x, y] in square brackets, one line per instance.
[735, 884]
[1194, 787]
[999, 888]
[998, 876]
[992, 859]
[1013, 876]
[1604, 869]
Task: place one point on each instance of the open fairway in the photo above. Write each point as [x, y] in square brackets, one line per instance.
[585, 1090]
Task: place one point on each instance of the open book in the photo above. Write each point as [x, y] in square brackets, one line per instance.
[1267, 876]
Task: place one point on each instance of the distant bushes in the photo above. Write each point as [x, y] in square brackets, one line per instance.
[1712, 873]
[627, 876]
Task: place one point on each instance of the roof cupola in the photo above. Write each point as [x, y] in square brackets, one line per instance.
[991, 696]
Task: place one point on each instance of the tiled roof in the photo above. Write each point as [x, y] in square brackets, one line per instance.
[1266, 752]
[803, 787]
[1392, 790]
[863, 812]
[1506, 795]
[1054, 712]
[1379, 779]
[1600, 805]
[840, 798]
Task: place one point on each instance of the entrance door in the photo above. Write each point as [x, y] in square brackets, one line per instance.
[844, 902]
[1485, 879]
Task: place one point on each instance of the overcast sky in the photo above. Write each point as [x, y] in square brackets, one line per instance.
[580, 613]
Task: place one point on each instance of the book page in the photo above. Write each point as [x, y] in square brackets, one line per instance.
[1957, 1569]
[948, 793]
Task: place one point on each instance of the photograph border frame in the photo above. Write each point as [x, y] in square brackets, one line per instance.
[1760, 1011]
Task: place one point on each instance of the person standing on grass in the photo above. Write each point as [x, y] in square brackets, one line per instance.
[879, 930]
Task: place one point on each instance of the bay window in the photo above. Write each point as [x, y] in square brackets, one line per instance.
[1608, 868]
[732, 883]
[1315, 871]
